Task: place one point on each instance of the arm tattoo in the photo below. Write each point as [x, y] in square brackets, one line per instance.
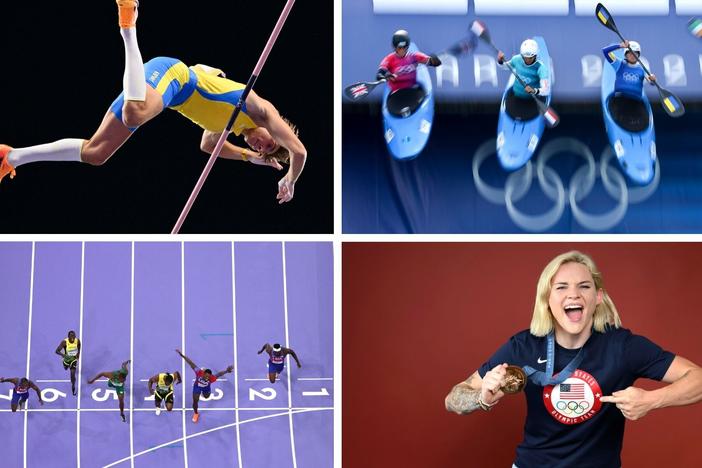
[463, 399]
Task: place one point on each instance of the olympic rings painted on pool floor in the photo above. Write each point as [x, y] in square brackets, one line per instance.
[580, 186]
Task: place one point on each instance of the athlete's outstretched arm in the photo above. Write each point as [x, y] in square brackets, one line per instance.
[12, 380]
[61, 346]
[190, 363]
[685, 379]
[266, 347]
[225, 371]
[125, 365]
[264, 114]
[292, 353]
[36, 389]
[230, 151]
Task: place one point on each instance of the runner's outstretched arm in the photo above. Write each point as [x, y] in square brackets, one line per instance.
[225, 371]
[190, 363]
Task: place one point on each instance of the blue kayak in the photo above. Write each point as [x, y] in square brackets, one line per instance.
[408, 115]
[629, 123]
[521, 125]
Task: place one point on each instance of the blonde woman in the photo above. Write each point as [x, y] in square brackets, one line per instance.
[581, 366]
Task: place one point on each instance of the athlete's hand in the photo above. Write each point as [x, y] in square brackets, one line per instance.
[299, 365]
[230, 368]
[259, 351]
[151, 391]
[624, 45]
[494, 379]
[529, 89]
[652, 78]
[500, 57]
[260, 160]
[286, 190]
[391, 76]
[178, 351]
[634, 403]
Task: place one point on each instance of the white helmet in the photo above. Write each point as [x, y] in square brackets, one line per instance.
[635, 46]
[529, 48]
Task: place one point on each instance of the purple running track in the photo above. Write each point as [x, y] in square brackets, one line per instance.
[219, 302]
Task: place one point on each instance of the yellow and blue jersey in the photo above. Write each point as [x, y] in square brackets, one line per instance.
[196, 92]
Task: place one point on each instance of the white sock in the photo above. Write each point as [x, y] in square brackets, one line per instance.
[62, 150]
[134, 81]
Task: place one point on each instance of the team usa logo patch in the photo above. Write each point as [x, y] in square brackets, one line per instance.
[575, 400]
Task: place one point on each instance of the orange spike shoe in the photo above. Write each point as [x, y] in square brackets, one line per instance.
[128, 12]
[5, 166]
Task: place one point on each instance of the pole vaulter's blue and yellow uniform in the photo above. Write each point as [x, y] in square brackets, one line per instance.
[196, 92]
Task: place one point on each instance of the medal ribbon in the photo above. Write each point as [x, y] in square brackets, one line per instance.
[547, 378]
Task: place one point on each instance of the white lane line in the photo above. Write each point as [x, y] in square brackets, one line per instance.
[236, 363]
[316, 378]
[131, 364]
[29, 345]
[259, 380]
[182, 346]
[198, 434]
[287, 345]
[80, 335]
[146, 410]
[55, 380]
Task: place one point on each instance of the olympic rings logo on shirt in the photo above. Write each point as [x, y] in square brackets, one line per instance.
[580, 186]
[572, 407]
[632, 77]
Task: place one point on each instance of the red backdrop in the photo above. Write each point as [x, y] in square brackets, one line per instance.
[420, 317]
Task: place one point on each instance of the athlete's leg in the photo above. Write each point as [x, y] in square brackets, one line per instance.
[110, 135]
[120, 396]
[137, 113]
[271, 376]
[196, 399]
[169, 405]
[14, 407]
[140, 105]
[73, 379]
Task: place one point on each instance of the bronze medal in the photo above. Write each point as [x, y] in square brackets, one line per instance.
[515, 380]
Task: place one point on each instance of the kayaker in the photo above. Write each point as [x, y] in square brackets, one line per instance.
[630, 74]
[532, 71]
[400, 66]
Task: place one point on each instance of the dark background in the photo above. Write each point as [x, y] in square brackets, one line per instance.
[419, 318]
[63, 66]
